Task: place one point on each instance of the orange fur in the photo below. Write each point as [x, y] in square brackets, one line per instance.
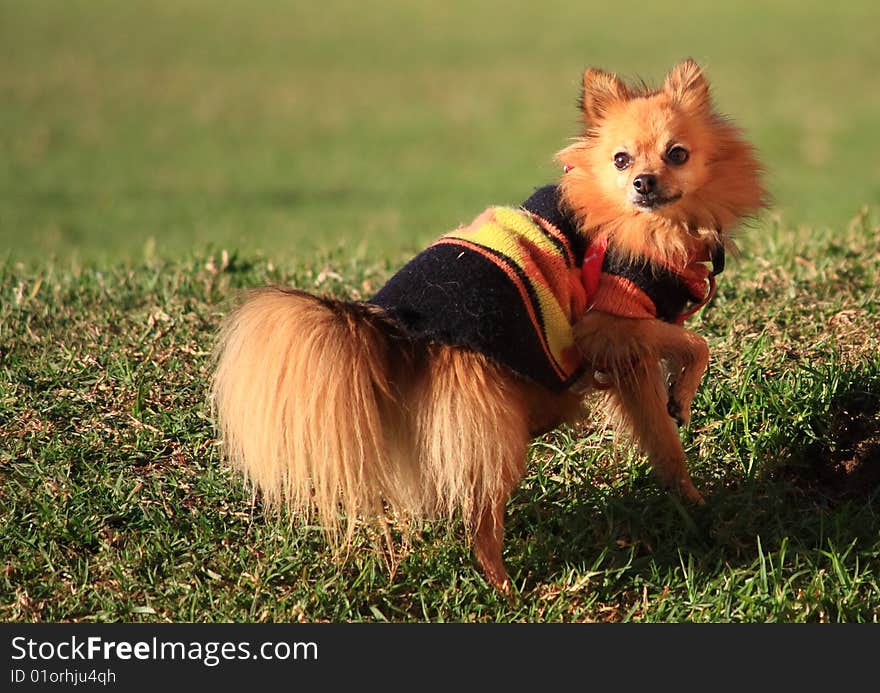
[328, 410]
[719, 184]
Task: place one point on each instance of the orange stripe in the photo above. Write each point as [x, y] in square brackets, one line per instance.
[524, 294]
[619, 296]
[557, 234]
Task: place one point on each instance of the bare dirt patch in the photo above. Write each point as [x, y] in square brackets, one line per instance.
[846, 464]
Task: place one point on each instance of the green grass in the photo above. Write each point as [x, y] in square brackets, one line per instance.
[116, 507]
[322, 144]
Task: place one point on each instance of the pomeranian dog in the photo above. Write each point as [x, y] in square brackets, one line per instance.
[421, 402]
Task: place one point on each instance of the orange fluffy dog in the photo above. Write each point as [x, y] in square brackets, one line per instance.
[422, 401]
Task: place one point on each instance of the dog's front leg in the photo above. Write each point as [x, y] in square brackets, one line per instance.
[643, 401]
[687, 355]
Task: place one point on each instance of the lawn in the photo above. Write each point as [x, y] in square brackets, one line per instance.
[159, 156]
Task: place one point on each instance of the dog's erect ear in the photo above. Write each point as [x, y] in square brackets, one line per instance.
[687, 85]
[601, 89]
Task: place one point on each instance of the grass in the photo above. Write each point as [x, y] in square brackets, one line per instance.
[160, 156]
[117, 508]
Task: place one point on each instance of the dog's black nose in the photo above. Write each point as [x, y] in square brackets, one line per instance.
[645, 183]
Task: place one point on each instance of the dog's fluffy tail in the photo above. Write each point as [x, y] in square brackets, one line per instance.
[326, 409]
[304, 400]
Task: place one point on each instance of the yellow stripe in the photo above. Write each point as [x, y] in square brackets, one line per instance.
[517, 282]
[502, 233]
[512, 233]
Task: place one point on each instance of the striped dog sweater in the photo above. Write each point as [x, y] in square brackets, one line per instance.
[512, 283]
[646, 290]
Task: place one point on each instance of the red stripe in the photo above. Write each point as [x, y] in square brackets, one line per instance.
[591, 268]
[709, 294]
[557, 234]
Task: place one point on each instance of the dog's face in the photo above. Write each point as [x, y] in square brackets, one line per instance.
[650, 155]
[658, 169]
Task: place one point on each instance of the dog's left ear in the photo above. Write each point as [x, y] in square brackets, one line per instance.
[687, 85]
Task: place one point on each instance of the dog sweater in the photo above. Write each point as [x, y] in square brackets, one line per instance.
[507, 285]
[644, 289]
[512, 283]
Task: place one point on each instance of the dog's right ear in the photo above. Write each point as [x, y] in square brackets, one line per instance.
[601, 90]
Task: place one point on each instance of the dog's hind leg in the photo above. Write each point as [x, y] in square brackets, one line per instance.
[488, 543]
[471, 420]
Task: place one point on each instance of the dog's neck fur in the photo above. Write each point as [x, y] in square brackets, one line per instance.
[666, 288]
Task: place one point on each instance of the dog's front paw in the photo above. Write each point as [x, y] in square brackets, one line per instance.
[688, 491]
[680, 413]
[674, 409]
[673, 475]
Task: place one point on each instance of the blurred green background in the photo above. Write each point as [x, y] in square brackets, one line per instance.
[289, 128]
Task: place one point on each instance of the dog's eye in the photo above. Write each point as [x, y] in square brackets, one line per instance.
[622, 160]
[677, 155]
